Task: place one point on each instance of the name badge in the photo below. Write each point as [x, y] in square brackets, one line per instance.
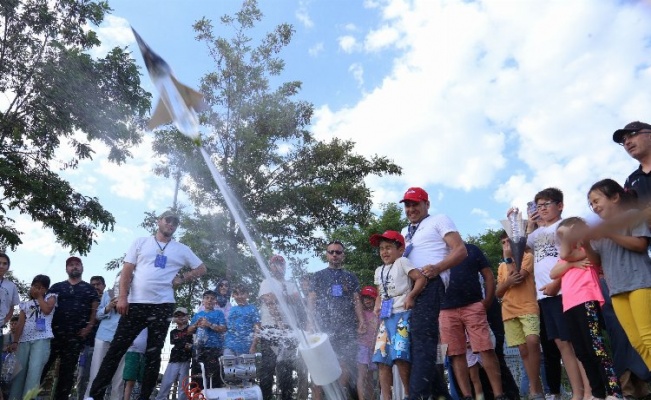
[40, 324]
[160, 261]
[337, 290]
[387, 306]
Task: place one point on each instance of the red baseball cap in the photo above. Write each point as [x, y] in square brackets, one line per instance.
[415, 194]
[387, 235]
[369, 291]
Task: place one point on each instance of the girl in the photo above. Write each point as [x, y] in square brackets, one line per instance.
[582, 301]
[365, 343]
[35, 331]
[623, 255]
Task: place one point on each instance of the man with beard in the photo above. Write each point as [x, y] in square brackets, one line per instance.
[277, 344]
[335, 303]
[73, 320]
[146, 300]
[433, 245]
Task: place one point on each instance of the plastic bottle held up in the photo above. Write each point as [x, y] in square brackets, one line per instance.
[201, 336]
[116, 286]
[8, 366]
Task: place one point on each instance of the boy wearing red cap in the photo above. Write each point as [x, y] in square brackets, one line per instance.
[399, 283]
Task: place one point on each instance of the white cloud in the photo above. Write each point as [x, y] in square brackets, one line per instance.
[348, 43]
[114, 31]
[303, 16]
[358, 73]
[479, 86]
[316, 49]
[484, 217]
[381, 38]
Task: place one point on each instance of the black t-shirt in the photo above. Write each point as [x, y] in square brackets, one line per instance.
[74, 304]
[641, 183]
[335, 304]
[465, 287]
[178, 339]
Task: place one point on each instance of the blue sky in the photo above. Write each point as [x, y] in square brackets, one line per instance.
[482, 103]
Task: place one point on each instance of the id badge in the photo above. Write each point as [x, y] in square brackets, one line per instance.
[337, 290]
[160, 261]
[408, 249]
[387, 305]
[40, 324]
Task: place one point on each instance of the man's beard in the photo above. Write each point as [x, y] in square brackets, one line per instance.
[75, 273]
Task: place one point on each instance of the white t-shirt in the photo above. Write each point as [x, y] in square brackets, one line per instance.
[546, 249]
[150, 284]
[427, 244]
[139, 344]
[396, 279]
[8, 298]
[32, 311]
[272, 285]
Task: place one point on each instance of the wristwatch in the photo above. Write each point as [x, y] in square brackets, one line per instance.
[508, 260]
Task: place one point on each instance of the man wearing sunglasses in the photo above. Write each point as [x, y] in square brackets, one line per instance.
[146, 299]
[635, 139]
[335, 303]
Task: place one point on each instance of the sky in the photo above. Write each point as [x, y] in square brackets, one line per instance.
[482, 103]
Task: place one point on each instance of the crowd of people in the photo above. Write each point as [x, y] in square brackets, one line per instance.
[435, 303]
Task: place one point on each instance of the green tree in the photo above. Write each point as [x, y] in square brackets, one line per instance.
[58, 93]
[290, 185]
[489, 243]
[361, 257]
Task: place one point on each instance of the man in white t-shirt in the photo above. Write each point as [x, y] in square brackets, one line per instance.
[433, 245]
[146, 299]
[277, 341]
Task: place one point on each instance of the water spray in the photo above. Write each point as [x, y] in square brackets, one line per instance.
[179, 104]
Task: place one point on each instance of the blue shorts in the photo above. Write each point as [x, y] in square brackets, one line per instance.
[393, 341]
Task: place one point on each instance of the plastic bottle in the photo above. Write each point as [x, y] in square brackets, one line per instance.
[8, 366]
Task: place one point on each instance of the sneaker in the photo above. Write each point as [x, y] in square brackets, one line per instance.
[612, 397]
[538, 396]
[502, 397]
[550, 396]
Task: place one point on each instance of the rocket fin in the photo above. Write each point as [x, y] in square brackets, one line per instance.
[192, 98]
[160, 117]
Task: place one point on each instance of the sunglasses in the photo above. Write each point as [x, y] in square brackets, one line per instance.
[337, 252]
[172, 220]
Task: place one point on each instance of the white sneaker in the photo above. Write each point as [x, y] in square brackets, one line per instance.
[549, 396]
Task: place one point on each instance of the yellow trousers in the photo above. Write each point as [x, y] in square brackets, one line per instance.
[633, 310]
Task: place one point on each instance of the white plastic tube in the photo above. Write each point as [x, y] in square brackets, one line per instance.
[320, 359]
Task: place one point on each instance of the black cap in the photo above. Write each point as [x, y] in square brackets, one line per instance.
[632, 127]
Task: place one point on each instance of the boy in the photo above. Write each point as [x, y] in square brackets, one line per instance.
[520, 312]
[213, 324]
[394, 280]
[243, 325]
[542, 240]
[134, 363]
[179, 364]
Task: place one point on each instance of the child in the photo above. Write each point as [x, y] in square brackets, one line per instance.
[545, 246]
[211, 325]
[582, 301]
[520, 312]
[623, 256]
[35, 332]
[178, 366]
[474, 361]
[365, 344]
[134, 363]
[394, 280]
[243, 324]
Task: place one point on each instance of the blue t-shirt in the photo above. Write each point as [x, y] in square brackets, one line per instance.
[241, 326]
[465, 287]
[214, 339]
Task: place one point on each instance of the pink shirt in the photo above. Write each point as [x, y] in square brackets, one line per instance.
[580, 286]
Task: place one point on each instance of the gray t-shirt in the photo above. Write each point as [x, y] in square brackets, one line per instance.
[624, 270]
